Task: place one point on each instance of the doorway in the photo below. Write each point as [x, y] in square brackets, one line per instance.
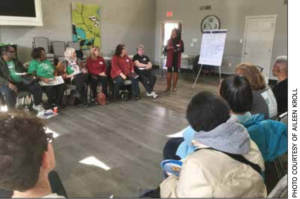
[259, 39]
[166, 28]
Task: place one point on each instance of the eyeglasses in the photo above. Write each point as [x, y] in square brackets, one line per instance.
[50, 137]
[12, 51]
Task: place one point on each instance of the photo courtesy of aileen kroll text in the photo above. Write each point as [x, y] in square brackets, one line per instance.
[293, 100]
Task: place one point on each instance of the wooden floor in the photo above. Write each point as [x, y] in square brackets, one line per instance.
[126, 136]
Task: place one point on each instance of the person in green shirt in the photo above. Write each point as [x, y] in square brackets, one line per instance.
[11, 80]
[76, 74]
[42, 69]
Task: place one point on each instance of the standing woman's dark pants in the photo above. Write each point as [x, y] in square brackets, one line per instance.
[55, 93]
[94, 83]
[80, 82]
[119, 82]
[173, 69]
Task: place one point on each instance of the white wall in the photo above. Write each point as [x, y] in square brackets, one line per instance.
[232, 14]
[122, 21]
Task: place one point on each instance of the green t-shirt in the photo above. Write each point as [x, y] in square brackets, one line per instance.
[72, 67]
[70, 70]
[42, 69]
[12, 70]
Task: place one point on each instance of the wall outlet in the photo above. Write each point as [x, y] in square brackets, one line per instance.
[195, 40]
[229, 64]
[192, 45]
[241, 41]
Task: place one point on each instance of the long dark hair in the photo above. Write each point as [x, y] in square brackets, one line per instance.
[178, 38]
[119, 49]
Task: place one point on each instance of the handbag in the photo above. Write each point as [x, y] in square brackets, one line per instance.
[101, 99]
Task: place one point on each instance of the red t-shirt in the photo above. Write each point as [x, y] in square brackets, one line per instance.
[95, 67]
[121, 65]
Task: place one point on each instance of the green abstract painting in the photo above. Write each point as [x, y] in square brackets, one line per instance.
[86, 25]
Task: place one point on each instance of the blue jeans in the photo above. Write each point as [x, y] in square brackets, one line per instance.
[9, 96]
[119, 82]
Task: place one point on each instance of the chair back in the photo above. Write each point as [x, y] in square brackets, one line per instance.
[281, 189]
[59, 48]
[75, 45]
[283, 118]
[41, 42]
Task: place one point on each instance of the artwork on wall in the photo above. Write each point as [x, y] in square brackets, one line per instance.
[86, 25]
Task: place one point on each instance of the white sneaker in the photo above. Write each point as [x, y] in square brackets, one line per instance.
[149, 94]
[38, 108]
[152, 94]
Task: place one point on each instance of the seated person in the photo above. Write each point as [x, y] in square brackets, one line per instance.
[97, 69]
[73, 71]
[264, 101]
[26, 157]
[121, 69]
[43, 70]
[212, 171]
[280, 70]
[143, 69]
[11, 83]
[269, 135]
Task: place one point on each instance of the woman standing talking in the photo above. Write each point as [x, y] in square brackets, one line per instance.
[174, 49]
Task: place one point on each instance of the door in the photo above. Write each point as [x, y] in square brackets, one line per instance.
[165, 33]
[259, 39]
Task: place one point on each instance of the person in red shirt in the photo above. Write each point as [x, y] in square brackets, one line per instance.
[97, 69]
[123, 69]
[174, 50]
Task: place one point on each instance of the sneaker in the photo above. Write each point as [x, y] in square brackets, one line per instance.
[38, 108]
[152, 94]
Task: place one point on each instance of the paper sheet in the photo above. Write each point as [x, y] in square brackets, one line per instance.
[56, 81]
[177, 135]
[212, 48]
[50, 114]
[21, 74]
[271, 102]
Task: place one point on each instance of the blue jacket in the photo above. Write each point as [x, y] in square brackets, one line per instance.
[269, 135]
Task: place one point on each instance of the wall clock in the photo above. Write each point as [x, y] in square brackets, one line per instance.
[210, 22]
